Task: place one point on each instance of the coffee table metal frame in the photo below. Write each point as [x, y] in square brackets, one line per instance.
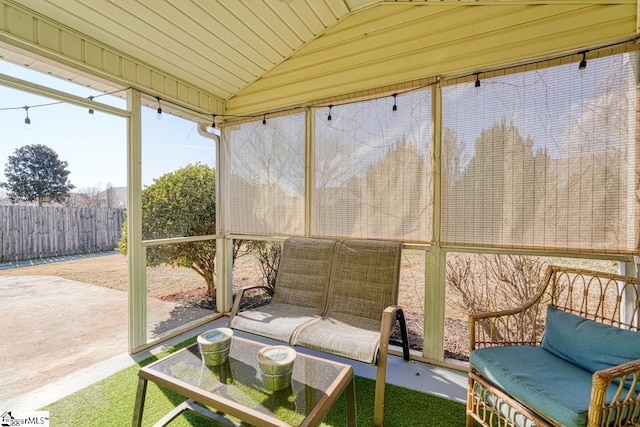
[343, 382]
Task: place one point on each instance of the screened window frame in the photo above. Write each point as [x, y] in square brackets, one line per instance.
[633, 210]
[438, 210]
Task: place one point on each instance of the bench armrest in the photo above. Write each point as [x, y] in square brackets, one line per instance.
[238, 299]
[624, 404]
[390, 315]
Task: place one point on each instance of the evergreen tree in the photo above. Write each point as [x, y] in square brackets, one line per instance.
[183, 204]
[34, 172]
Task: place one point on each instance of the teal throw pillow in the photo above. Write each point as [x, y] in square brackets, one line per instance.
[588, 344]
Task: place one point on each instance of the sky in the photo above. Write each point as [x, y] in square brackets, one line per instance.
[94, 148]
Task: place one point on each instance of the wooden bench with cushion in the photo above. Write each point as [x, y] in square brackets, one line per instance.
[339, 297]
[569, 357]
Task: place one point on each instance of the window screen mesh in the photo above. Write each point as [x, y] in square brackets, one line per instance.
[543, 159]
[266, 176]
[372, 169]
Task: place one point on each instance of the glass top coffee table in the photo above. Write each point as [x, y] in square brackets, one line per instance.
[236, 389]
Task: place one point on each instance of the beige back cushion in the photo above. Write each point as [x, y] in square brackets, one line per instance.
[304, 272]
[365, 278]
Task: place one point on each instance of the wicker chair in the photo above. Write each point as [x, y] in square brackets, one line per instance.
[611, 396]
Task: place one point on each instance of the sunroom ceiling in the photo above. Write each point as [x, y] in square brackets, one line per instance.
[255, 56]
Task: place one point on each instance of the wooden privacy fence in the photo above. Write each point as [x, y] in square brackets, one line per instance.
[30, 232]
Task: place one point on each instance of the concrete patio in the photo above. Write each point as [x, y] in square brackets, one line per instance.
[54, 327]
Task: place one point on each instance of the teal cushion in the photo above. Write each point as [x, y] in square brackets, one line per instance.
[542, 381]
[591, 345]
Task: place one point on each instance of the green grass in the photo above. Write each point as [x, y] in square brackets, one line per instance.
[110, 403]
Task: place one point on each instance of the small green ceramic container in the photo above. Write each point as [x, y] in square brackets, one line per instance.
[276, 365]
[214, 346]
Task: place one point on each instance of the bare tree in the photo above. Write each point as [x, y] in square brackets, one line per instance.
[87, 197]
[269, 256]
[95, 197]
[483, 283]
[110, 196]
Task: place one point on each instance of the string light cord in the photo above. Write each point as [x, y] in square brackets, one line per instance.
[475, 76]
[31, 106]
[48, 104]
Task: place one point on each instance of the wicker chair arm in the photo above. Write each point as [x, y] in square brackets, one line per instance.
[505, 327]
[534, 300]
[238, 299]
[623, 406]
[498, 328]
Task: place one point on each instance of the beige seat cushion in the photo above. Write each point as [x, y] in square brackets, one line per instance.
[301, 290]
[365, 280]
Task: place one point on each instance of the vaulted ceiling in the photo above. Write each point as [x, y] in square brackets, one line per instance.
[253, 56]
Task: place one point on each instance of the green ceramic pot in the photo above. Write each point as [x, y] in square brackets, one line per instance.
[214, 346]
[276, 365]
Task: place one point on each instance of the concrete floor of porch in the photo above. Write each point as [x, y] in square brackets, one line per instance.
[430, 379]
